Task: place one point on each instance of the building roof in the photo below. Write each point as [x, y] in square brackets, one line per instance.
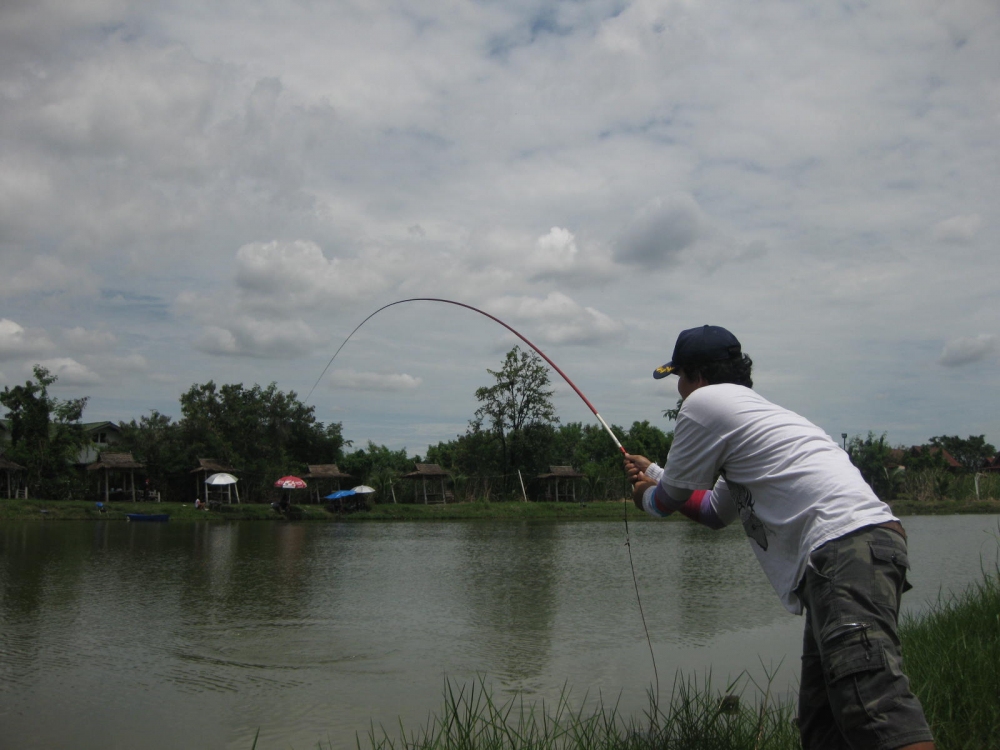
[8, 465]
[561, 472]
[211, 465]
[95, 426]
[114, 461]
[325, 471]
[993, 464]
[426, 471]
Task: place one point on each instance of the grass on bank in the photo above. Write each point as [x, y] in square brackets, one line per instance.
[695, 718]
[953, 661]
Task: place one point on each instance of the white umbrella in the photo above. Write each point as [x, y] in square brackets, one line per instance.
[226, 480]
[364, 489]
[221, 479]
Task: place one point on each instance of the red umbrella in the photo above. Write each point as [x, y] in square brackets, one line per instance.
[290, 483]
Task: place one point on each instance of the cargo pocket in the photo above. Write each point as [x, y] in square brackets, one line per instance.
[890, 565]
[849, 650]
[855, 669]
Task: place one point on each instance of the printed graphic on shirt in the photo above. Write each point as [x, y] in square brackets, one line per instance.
[752, 525]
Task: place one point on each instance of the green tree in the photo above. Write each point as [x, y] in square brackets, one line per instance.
[648, 440]
[972, 452]
[671, 414]
[519, 399]
[377, 460]
[46, 436]
[262, 432]
[590, 449]
[871, 455]
[157, 441]
[923, 458]
[475, 453]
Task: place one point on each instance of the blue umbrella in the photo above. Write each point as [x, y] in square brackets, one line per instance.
[340, 493]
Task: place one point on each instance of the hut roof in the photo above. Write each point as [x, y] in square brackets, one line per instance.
[993, 464]
[8, 465]
[426, 471]
[211, 465]
[561, 472]
[115, 461]
[95, 426]
[325, 471]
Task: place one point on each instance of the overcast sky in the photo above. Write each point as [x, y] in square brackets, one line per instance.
[194, 191]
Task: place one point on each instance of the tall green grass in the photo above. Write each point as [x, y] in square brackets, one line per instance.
[953, 661]
[695, 718]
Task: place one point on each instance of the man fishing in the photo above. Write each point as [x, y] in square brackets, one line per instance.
[826, 542]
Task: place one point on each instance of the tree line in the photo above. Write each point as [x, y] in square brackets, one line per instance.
[514, 436]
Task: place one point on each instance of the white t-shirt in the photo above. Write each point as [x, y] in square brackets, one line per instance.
[789, 483]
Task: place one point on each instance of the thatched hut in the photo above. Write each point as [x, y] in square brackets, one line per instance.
[117, 465]
[429, 484]
[325, 478]
[207, 467]
[12, 478]
[560, 483]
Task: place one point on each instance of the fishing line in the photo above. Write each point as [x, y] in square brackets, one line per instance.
[572, 385]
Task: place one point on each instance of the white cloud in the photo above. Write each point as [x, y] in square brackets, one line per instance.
[82, 340]
[70, 372]
[958, 229]
[17, 343]
[296, 275]
[966, 350]
[660, 232]
[45, 273]
[557, 249]
[123, 363]
[250, 337]
[559, 319]
[373, 381]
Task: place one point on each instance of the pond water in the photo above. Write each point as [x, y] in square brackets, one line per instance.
[117, 635]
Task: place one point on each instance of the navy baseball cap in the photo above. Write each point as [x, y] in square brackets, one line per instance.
[699, 345]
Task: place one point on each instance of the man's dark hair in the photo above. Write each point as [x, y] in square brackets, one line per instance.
[736, 371]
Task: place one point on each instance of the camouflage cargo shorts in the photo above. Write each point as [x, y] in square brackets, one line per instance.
[853, 691]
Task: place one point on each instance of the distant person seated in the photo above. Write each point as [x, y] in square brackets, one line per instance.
[198, 504]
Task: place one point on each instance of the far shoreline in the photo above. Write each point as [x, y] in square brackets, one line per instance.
[83, 510]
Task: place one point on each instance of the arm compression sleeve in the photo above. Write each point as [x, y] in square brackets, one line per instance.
[699, 506]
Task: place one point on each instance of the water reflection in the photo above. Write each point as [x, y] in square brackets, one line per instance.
[718, 578]
[509, 588]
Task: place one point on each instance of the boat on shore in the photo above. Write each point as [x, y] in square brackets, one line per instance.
[154, 517]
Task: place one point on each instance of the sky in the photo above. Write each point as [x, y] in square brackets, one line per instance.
[222, 190]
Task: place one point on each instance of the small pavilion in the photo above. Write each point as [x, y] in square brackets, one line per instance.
[560, 483]
[207, 467]
[12, 478]
[428, 483]
[117, 465]
[326, 479]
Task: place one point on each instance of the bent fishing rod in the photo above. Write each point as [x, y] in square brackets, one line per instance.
[572, 385]
[523, 338]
